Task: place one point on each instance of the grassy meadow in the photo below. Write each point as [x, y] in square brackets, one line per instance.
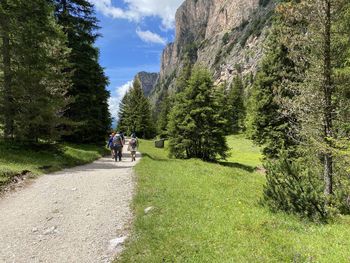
[14, 159]
[205, 212]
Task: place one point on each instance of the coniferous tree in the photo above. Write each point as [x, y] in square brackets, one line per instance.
[325, 50]
[268, 125]
[34, 59]
[135, 113]
[124, 114]
[313, 34]
[236, 106]
[90, 107]
[196, 127]
[163, 116]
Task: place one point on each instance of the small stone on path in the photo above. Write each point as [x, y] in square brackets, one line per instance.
[51, 230]
[114, 243]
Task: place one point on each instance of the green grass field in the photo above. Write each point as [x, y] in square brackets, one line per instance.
[206, 212]
[38, 160]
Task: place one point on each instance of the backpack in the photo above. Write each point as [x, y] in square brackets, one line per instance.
[117, 140]
[133, 142]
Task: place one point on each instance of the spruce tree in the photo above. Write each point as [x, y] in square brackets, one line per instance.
[135, 113]
[124, 114]
[268, 124]
[313, 35]
[325, 49]
[90, 107]
[163, 116]
[196, 127]
[236, 106]
[35, 82]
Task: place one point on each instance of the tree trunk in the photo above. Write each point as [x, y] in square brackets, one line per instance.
[8, 111]
[328, 107]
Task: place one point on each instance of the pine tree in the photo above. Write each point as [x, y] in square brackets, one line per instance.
[7, 103]
[196, 127]
[313, 33]
[34, 59]
[90, 107]
[325, 50]
[124, 114]
[236, 106]
[163, 116]
[135, 113]
[268, 123]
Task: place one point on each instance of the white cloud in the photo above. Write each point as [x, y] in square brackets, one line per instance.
[150, 37]
[136, 10]
[116, 97]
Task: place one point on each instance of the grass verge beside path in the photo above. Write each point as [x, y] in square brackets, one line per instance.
[43, 159]
[207, 212]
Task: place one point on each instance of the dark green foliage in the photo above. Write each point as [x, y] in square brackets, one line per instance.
[226, 38]
[255, 26]
[236, 106]
[292, 188]
[163, 117]
[264, 2]
[135, 113]
[90, 107]
[196, 127]
[190, 52]
[268, 126]
[34, 84]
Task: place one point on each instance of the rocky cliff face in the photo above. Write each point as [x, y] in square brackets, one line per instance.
[148, 81]
[224, 35]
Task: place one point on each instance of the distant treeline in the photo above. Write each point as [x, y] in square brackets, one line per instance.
[52, 86]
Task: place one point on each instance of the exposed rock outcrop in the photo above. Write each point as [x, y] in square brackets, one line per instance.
[226, 36]
[148, 81]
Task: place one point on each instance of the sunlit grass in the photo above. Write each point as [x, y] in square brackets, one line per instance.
[14, 159]
[206, 212]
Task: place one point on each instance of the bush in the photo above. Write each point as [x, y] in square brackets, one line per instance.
[296, 189]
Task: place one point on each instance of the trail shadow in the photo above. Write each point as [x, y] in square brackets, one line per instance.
[155, 158]
[247, 168]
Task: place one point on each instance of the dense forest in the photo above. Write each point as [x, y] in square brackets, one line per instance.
[296, 107]
[52, 86]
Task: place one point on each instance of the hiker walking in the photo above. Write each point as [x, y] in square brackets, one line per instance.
[132, 148]
[118, 147]
[110, 144]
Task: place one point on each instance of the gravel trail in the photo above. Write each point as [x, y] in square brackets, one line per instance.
[76, 215]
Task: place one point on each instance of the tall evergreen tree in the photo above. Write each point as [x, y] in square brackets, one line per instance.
[314, 35]
[196, 127]
[325, 49]
[163, 116]
[34, 59]
[124, 114]
[135, 113]
[268, 124]
[236, 106]
[90, 107]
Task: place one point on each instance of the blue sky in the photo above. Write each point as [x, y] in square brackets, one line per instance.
[134, 33]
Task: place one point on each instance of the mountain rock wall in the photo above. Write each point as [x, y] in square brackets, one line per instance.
[225, 36]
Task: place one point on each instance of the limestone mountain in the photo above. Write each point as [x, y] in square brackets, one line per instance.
[148, 81]
[226, 36]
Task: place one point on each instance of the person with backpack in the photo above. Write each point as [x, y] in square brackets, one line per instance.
[118, 147]
[132, 148]
[110, 144]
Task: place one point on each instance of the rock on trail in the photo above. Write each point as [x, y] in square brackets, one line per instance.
[76, 215]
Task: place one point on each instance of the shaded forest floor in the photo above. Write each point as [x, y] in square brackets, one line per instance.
[204, 212]
[17, 161]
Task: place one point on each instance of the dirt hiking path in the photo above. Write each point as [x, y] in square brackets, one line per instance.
[76, 215]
